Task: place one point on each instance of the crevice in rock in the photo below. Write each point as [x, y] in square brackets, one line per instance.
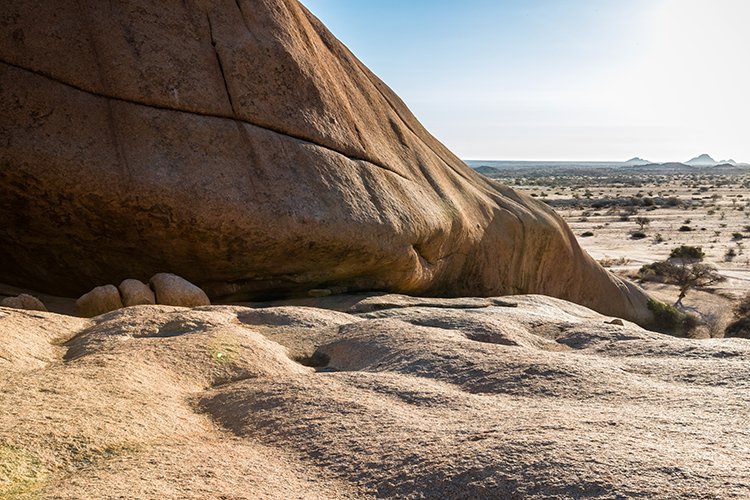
[221, 66]
[422, 257]
[317, 360]
[207, 115]
[116, 142]
[229, 380]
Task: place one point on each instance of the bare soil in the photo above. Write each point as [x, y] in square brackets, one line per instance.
[604, 210]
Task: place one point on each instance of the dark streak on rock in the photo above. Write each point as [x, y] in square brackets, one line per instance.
[208, 115]
[221, 66]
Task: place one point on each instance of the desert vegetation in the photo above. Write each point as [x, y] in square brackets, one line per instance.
[740, 326]
[633, 220]
[684, 269]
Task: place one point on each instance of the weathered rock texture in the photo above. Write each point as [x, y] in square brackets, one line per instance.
[244, 147]
[172, 290]
[23, 301]
[100, 300]
[437, 399]
[136, 293]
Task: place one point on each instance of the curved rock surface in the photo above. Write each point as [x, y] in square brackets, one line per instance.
[23, 301]
[136, 293]
[239, 144]
[430, 399]
[100, 300]
[172, 290]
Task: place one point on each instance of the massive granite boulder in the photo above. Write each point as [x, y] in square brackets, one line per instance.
[239, 144]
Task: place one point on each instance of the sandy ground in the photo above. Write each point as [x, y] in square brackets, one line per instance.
[520, 397]
[715, 208]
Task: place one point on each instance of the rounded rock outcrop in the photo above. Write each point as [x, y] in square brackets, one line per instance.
[241, 145]
[172, 290]
[23, 301]
[136, 293]
[100, 300]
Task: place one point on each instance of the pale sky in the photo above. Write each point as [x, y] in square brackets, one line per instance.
[562, 79]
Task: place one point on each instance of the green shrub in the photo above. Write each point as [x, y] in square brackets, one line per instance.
[687, 252]
[637, 235]
[668, 319]
[652, 272]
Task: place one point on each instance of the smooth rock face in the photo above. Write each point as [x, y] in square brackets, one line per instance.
[441, 399]
[23, 301]
[172, 290]
[136, 293]
[100, 300]
[244, 147]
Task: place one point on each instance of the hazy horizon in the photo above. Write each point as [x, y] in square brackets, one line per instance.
[574, 80]
[600, 160]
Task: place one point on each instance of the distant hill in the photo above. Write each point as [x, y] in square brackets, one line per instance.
[494, 168]
[703, 160]
[637, 161]
[485, 170]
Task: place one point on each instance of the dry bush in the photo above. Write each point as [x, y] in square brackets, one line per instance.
[715, 323]
[740, 327]
[742, 309]
[614, 261]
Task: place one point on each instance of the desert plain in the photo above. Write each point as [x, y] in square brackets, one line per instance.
[630, 216]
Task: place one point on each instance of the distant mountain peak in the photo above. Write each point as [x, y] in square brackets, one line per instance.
[702, 161]
[637, 161]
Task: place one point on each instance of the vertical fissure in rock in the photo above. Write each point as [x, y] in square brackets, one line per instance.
[221, 65]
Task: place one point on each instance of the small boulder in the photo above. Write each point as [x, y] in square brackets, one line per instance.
[171, 290]
[136, 293]
[616, 321]
[100, 300]
[23, 301]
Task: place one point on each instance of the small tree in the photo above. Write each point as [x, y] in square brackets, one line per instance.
[688, 275]
[642, 222]
[685, 269]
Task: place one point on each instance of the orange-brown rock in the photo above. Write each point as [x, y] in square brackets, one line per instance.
[23, 301]
[239, 144]
[172, 290]
[135, 293]
[100, 300]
